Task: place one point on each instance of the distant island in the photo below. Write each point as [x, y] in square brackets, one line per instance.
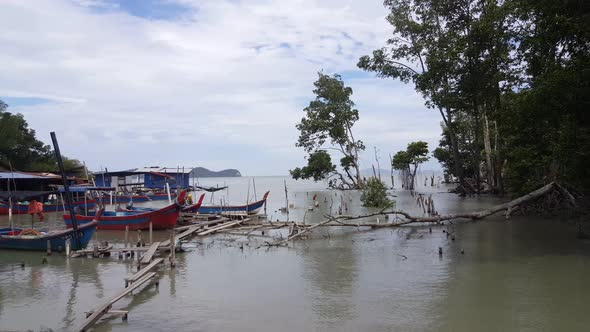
[202, 172]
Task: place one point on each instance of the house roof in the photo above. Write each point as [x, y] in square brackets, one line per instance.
[28, 176]
[156, 170]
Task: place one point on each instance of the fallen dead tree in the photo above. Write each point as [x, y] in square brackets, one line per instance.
[507, 208]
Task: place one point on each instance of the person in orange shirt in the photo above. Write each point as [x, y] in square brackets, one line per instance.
[35, 208]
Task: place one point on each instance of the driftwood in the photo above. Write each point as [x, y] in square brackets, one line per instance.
[508, 208]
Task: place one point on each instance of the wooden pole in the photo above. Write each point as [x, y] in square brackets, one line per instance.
[168, 192]
[172, 250]
[248, 194]
[150, 232]
[126, 236]
[286, 200]
[68, 246]
[48, 247]
[11, 222]
[254, 184]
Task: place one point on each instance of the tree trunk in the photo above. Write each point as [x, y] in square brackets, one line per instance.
[488, 151]
[456, 156]
[476, 147]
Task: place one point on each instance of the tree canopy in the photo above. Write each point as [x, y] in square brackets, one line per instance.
[408, 161]
[510, 80]
[20, 148]
[327, 125]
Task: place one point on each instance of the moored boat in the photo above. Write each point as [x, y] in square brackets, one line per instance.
[28, 239]
[194, 207]
[106, 199]
[164, 218]
[23, 208]
[160, 196]
[252, 208]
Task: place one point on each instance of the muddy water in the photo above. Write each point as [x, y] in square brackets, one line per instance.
[527, 274]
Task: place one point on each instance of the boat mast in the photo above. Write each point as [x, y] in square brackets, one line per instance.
[60, 163]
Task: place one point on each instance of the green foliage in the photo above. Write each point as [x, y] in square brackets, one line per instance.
[407, 161]
[319, 166]
[328, 120]
[415, 154]
[375, 194]
[401, 160]
[18, 144]
[511, 80]
[20, 147]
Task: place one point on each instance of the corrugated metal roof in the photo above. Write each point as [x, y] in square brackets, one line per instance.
[21, 175]
[165, 170]
[154, 169]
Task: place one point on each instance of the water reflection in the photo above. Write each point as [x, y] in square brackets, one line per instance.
[331, 274]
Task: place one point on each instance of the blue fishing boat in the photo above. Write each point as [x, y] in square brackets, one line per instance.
[22, 208]
[159, 196]
[252, 208]
[30, 239]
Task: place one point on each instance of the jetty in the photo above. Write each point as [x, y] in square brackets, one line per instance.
[194, 225]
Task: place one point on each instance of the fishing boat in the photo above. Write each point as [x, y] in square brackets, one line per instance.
[30, 239]
[106, 199]
[189, 208]
[210, 189]
[194, 207]
[160, 196]
[22, 208]
[252, 208]
[164, 218]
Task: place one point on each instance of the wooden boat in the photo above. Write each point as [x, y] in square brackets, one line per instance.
[190, 208]
[23, 208]
[211, 189]
[252, 208]
[106, 199]
[164, 218]
[11, 238]
[160, 196]
[195, 207]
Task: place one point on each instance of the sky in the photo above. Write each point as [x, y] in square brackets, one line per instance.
[212, 83]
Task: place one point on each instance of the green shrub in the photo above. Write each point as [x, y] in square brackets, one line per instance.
[375, 195]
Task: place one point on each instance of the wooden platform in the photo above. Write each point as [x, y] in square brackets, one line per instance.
[147, 257]
[103, 309]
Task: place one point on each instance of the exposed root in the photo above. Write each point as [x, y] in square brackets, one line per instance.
[510, 207]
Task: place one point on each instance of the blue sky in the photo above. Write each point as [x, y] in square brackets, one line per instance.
[219, 84]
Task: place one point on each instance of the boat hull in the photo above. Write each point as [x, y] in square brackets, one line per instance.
[23, 209]
[57, 239]
[252, 208]
[164, 218]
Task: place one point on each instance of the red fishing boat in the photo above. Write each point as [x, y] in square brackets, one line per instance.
[164, 218]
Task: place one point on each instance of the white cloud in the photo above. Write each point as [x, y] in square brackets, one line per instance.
[227, 78]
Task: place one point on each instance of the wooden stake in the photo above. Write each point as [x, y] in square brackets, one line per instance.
[126, 236]
[172, 250]
[150, 232]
